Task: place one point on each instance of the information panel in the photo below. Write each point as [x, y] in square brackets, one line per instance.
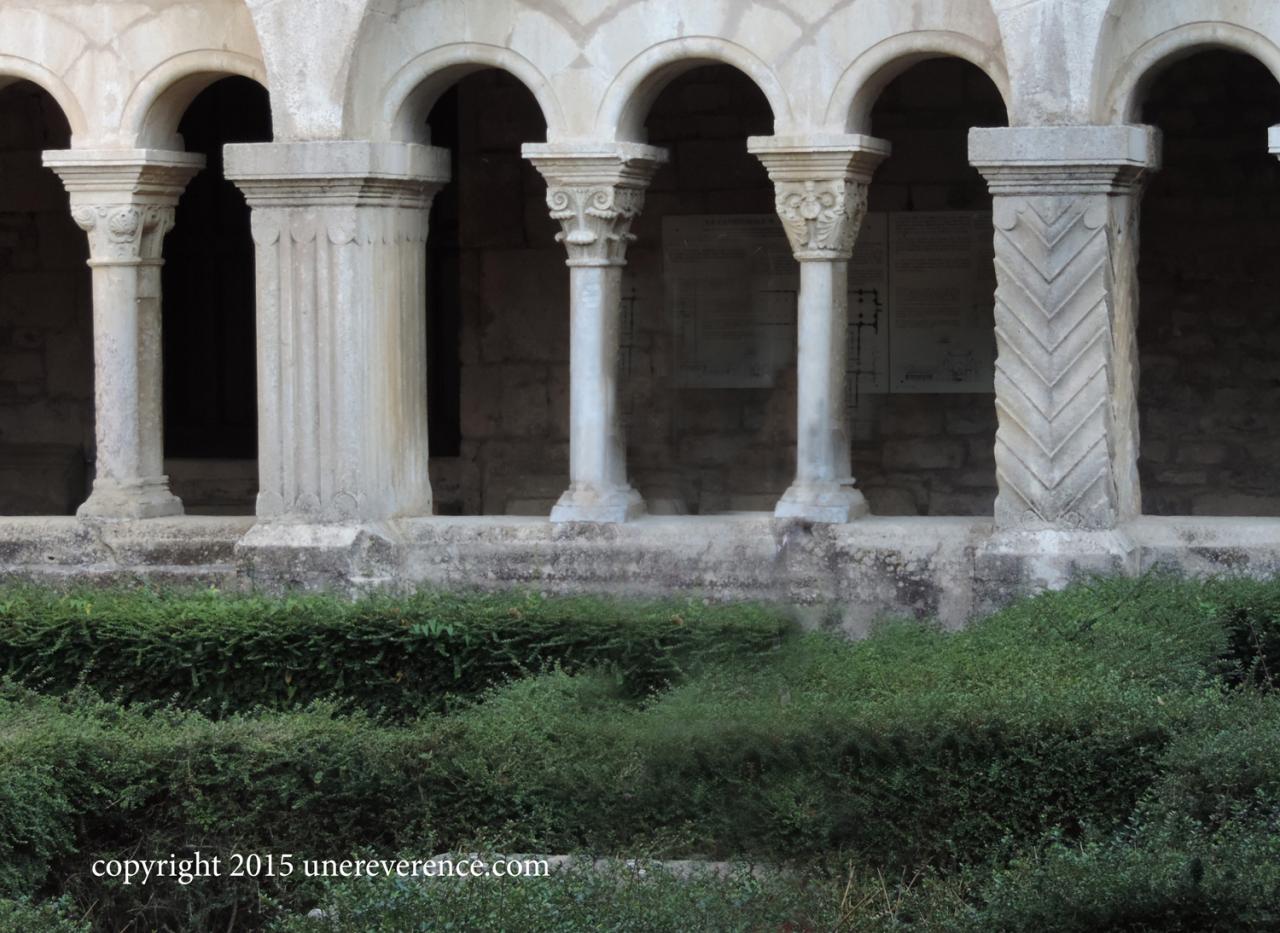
[920, 301]
[941, 296]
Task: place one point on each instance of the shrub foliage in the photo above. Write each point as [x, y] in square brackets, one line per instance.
[1107, 757]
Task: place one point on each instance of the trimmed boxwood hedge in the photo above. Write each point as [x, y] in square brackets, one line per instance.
[1066, 723]
[392, 656]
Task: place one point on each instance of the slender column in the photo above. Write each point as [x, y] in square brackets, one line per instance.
[339, 229]
[821, 196]
[1065, 213]
[125, 201]
[596, 191]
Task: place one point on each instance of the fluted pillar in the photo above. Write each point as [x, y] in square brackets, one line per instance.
[595, 191]
[340, 230]
[820, 187]
[1065, 212]
[125, 201]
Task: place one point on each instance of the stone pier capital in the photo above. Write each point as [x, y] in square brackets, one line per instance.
[1064, 160]
[820, 186]
[337, 173]
[124, 199]
[595, 191]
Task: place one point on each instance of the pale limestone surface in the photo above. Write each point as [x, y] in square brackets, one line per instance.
[340, 207]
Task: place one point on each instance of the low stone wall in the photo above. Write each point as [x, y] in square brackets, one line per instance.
[844, 576]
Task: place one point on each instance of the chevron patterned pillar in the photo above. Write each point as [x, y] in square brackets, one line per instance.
[1065, 214]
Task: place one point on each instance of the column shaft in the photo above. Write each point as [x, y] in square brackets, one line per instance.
[821, 198]
[596, 191]
[597, 448]
[125, 201]
[822, 441]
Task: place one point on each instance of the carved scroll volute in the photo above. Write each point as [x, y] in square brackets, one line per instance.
[596, 221]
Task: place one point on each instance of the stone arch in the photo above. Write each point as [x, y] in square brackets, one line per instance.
[416, 87]
[15, 68]
[1123, 97]
[871, 72]
[627, 102]
[157, 103]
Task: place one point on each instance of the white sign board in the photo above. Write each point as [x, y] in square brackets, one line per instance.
[941, 297]
[920, 302]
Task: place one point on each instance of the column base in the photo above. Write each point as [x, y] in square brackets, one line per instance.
[826, 503]
[1019, 562]
[354, 557]
[592, 504]
[146, 499]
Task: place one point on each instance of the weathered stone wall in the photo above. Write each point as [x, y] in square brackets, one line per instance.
[46, 350]
[1209, 320]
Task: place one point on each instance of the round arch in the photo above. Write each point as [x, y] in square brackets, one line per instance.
[416, 87]
[14, 68]
[871, 72]
[626, 103]
[156, 105]
[1123, 99]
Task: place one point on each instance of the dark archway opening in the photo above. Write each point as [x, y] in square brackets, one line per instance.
[46, 317]
[1209, 315]
[210, 386]
[923, 410]
[497, 310]
[708, 361]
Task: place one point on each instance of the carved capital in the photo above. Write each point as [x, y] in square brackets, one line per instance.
[596, 221]
[821, 216]
[124, 199]
[124, 233]
[821, 189]
[595, 191]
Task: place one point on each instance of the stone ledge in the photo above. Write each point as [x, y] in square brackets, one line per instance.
[838, 575]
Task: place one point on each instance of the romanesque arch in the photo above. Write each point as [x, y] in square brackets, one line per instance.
[630, 96]
[1208, 322]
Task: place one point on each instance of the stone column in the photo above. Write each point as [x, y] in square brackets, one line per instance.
[340, 230]
[596, 191]
[1065, 213]
[125, 201]
[821, 196]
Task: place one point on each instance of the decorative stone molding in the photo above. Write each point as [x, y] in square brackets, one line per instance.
[821, 188]
[595, 191]
[339, 229]
[125, 234]
[124, 200]
[1065, 216]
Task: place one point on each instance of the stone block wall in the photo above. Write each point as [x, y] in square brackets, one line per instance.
[1209, 322]
[46, 348]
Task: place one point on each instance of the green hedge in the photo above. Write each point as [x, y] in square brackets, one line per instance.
[1061, 723]
[400, 657]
